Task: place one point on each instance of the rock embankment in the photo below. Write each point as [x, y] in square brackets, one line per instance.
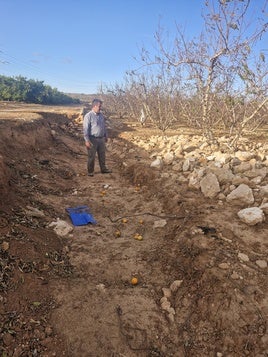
[238, 177]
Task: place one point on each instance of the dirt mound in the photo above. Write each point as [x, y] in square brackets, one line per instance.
[139, 174]
[199, 290]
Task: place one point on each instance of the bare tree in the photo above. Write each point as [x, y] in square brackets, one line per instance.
[157, 95]
[218, 64]
[115, 100]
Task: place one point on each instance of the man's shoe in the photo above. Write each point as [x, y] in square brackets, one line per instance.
[106, 171]
[90, 174]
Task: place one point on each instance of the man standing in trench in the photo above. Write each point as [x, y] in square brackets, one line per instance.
[95, 135]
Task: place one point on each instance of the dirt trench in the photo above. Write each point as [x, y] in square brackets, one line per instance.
[73, 296]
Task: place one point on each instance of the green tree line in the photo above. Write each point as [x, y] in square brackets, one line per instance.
[26, 90]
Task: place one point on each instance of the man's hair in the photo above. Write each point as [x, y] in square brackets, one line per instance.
[96, 101]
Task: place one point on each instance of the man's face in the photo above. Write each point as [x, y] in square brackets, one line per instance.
[97, 107]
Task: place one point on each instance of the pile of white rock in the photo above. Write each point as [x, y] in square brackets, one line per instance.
[238, 177]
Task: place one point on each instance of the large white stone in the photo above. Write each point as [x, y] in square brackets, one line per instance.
[62, 228]
[157, 163]
[251, 215]
[210, 185]
[221, 157]
[244, 155]
[168, 158]
[241, 196]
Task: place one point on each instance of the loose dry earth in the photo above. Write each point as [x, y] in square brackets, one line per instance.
[72, 295]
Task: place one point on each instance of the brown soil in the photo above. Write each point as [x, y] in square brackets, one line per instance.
[73, 296]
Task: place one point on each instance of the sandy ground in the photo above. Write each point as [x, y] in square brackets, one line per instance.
[73, 296]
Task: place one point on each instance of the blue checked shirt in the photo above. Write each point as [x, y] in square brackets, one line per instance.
[94, 125]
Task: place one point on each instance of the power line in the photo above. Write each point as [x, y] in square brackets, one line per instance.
[53, 77]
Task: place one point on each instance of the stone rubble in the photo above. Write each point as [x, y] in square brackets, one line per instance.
[236, 177]
[167, 294]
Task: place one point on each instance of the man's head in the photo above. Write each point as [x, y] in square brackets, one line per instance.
[96, 105]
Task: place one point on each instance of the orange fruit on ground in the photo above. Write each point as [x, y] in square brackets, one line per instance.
[138, 236]
[134, 281]
[117, 233]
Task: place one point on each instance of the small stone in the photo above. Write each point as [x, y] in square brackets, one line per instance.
[160, 224]
[243, 257]
[171, 317]
[48, 331]
[171, 310]
[65, 249]
[163, 299]
[37, 334]
[224, 266]
[235, 276]
[100, 287]
[261, 263]
[166, 292]
[221, 196]
[157, 163]
[4, 246]
[175, 285]
[62, 228]
[165, 305]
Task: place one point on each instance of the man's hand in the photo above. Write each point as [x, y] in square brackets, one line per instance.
[88, 144]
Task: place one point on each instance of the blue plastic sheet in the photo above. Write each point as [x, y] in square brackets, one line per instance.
[80, 215]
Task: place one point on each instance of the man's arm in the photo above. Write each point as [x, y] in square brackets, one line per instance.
[87, 130]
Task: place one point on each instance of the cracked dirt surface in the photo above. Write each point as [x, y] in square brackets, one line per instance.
[73, 296]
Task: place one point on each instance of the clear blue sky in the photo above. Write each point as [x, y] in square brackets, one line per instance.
[75, 45]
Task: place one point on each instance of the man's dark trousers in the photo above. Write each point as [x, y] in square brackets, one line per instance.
[98, 146]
